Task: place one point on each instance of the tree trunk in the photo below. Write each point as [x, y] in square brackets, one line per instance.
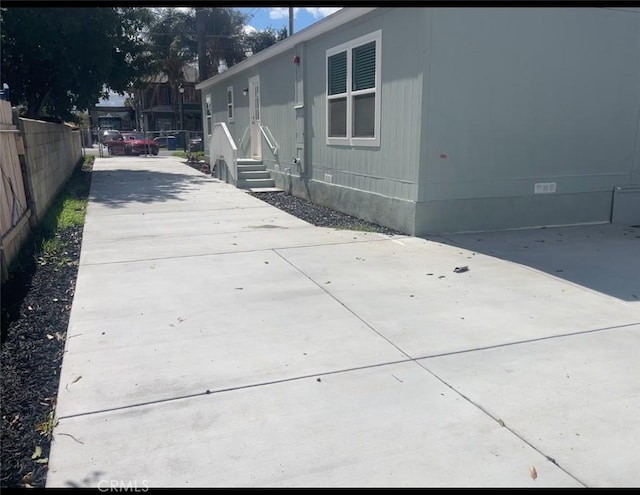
[201, 27]
[35, 103]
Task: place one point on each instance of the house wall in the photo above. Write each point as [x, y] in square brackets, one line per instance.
[524, 96]
[477, 107]
[375, 183]
[277, 94]
[219, 103]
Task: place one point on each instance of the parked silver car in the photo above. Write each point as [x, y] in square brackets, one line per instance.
[195, 144]
[109, 135]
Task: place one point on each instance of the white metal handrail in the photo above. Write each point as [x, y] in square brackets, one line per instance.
[244, 135]
[271, 141]
[224, 153]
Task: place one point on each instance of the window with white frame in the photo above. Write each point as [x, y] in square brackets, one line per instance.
[208, 110]
[230, 104]
[353, 92]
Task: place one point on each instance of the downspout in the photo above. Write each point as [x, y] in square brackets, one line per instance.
[305, 169]
[287, 172]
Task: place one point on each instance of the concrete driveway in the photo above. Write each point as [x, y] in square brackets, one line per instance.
[215, 341]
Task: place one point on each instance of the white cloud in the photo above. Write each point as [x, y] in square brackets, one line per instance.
[313, 11]
[319, 12]
[278, 13]
[325, 11]
[316, 12]
[247, 29]
[282, 12]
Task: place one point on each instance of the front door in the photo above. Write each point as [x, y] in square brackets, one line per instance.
[254, 110]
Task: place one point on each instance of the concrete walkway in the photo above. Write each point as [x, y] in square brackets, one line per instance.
[216, 341]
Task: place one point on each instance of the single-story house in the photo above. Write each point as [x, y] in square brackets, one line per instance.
[434, 119]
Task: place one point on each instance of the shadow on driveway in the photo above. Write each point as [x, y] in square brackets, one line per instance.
[604, 258]
[121, 187]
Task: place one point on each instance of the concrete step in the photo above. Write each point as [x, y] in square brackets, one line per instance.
[253, 183]
[251, 168]
[248, 161]
[253, 174]
[264, 189]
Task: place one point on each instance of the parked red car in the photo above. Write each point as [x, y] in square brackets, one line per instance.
[132, 143]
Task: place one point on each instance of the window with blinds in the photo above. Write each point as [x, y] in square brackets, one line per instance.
[353, 99]
[364, 67]
[338, 73]
[337, 89]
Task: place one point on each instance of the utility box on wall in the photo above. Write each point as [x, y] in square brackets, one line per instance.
[626, 205]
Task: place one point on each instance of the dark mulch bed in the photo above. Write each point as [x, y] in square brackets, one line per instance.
[36, 303]
[31, 360]
[319, 216]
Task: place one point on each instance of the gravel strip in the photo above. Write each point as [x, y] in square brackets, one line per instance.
[320, 216]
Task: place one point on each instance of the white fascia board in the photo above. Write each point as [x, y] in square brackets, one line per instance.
[327, 24]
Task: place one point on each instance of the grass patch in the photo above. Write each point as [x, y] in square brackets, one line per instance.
[67, 210]
[46, 244]
[72, 212]
[51, 247]
[185, 154]
[46, 427]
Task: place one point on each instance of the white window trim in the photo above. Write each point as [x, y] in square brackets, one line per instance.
[208, 113]
[230, 105]
[349, 140]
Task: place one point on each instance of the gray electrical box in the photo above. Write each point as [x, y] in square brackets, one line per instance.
[626, 205]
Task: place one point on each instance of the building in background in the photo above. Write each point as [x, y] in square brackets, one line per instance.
[111, 115]
[157, 110]
[161, 109]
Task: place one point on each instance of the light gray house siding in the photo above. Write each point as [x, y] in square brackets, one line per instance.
[524, 96]
[375, 183]
[277, 83]
[479, 109]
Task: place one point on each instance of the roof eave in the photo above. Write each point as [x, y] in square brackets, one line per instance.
[327, 24]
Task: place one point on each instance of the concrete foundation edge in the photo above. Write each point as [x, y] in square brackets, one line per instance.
[454, 215]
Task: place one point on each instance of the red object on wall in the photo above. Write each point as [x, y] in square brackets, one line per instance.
[296, 59]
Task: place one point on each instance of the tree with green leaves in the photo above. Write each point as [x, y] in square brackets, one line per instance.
[259, 40]
[58, 61]
[220, 37]
[173, 45]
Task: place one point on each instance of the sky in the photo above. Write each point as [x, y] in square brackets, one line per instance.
[259, 19]
[277, 17]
